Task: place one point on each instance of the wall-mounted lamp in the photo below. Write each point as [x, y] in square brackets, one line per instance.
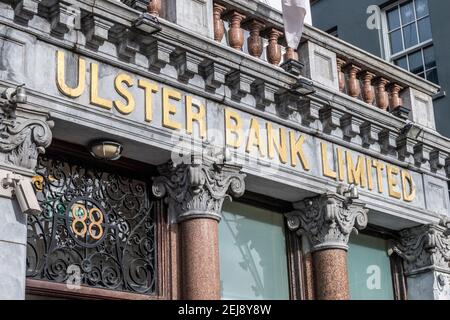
[349, 192]
[15, 95]
[106, 150]
[304, 86]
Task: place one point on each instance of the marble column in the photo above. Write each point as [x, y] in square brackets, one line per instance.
[425, 251]
[24, 134]
[326, 221]
[194, 194]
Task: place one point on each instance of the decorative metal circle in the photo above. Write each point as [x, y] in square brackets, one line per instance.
[87, 222]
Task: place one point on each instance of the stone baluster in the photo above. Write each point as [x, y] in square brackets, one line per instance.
[368, 93]
[326, 222]
[395, 101]
[341, 76]
[235, 33]
[219, 28]
[273, 48]
[381, 96]
[354, 87]
[154, 7]
[254, 41]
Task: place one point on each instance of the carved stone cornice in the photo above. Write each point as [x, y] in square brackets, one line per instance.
[424, 248]
[22, 137]
[328, 220]
[198, 189]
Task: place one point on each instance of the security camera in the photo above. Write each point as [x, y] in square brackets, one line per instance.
[26, 197]
[23, 189]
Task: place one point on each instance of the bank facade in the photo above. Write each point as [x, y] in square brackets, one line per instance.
[337, 176]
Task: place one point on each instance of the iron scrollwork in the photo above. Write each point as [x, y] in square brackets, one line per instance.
[100, 222]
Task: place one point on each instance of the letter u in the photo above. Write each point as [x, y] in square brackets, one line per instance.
[61, 80]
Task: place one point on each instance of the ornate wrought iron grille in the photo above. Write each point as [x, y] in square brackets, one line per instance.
[96, 229]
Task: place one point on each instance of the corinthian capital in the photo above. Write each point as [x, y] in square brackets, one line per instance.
[24, 133]
[424, 248]
[198, 189]
[328, 220]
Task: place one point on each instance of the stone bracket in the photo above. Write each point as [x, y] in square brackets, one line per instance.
[388, 141]
[331, 118]
[369, 133]
[405, 148]
[264, 94]
[351, 126]
[64, 16]
[215, 75]
[437, 160]
[240, 84]
[187, 65]
[422, 154]
[309, 111]
[96, 30]
[25, 10]
[159, 54]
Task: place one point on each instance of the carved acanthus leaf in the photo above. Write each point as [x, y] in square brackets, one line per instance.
[423, 248]
[198, 189]
[22, 140]
[328, 220]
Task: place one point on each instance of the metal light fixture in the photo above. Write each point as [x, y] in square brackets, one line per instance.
[106, 150]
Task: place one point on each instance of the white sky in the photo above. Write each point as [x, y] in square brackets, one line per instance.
[273, 3]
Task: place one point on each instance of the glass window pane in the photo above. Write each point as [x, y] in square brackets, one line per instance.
[410, 35]
[402, 63]
[428, 54]
[396, 41]
[421, 8]
[407, 13]
[424, 29]
[393, 18]
[253, 262]
[369, 269]
[432, 76]
[415, 62]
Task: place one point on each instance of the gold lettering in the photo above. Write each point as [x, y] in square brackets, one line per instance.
[297, 150]
[409, 194]
[122, 91]
[340, 158]
[254, 138]
[273, 144]
[380, 167]
[369, 173]
[149, 89]
[392, 172]
[356, 175]
[61, 76]
[198, 116]
[95, 98]
[169, 109]
[233, 129]
[327, 171]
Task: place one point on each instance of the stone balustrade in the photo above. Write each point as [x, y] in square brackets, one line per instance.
[353, 91]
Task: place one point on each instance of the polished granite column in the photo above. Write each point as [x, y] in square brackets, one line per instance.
[326, 222]
[194, 193]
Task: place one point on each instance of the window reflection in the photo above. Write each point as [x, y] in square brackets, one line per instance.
[252, 253]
